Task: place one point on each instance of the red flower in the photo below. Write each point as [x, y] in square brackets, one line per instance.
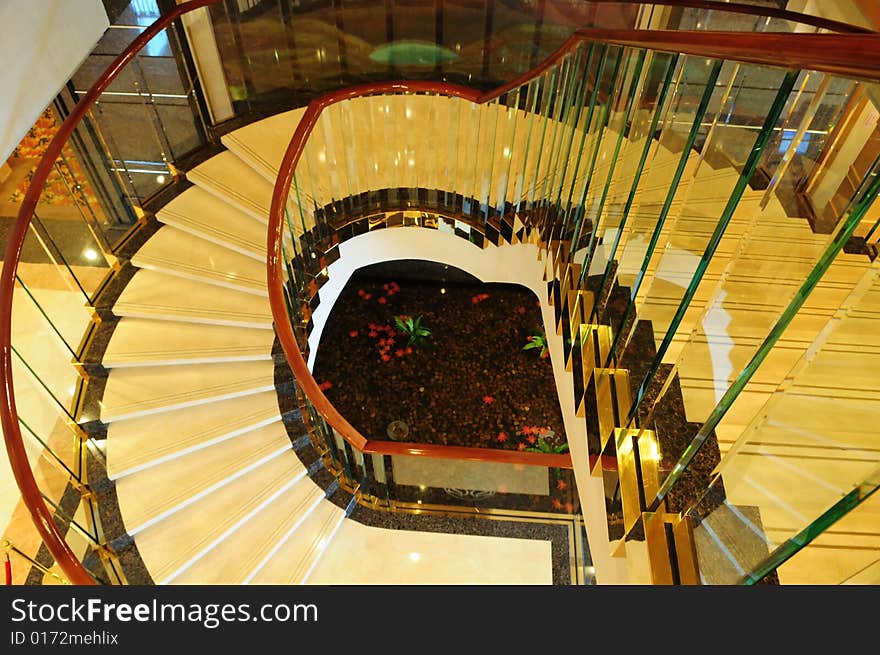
[569, 507]
[362, 293]
[561, 484]
[475, 300]
[386, 357]
[400, 352]
[326, 384]
[353, 334]
[367, 296]
[502, 436]
[374, 334]
[557, 504]
[531, 438]
[488, 400]
[527, 429]
[521, 446]
[408, 350]
[381, 300]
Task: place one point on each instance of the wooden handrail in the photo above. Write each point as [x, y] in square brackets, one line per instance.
[18, 459]
[831, 53]
[752, 10]
[855, 55]
[848, 55]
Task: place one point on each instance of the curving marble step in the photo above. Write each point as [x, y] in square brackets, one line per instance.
[143, 390]
[262, 143]
[166, 488]
[208, 217]
[297, 556]
[175, 252]
[151, 294]
[150, 342]
[240, 554]
[230, 179]
[171, 545]
[139, 443]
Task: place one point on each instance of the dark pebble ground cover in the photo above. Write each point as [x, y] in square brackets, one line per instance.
[472, 384]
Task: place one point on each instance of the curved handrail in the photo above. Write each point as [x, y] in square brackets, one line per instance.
[752, 10]
[848, 54]
[21, 469]
[42, 517]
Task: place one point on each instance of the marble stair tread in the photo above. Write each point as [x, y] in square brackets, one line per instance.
[151, 495]
[234, 559]
[139, 443]
[729, 542]
[208, 217]
[180, 253]
[169, 546]
[143, 390]
[152, 342]
[299, 554]
[262, 143]
[151, 294]
[229, 178]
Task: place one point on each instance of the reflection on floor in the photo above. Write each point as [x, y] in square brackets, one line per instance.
[404, 557]
[479, 476]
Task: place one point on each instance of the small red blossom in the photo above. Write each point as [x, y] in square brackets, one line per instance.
[521, 446]
[353, 334]
[561, 484]
[326, 384]
[374, 334]
[381, 300]
[502, 436]
[408, 350]
[400, 352]
[557, 504]
[367, 296]
[362, 293]
[569, 507]
[531, 438]
[386, 357]
[488, 400]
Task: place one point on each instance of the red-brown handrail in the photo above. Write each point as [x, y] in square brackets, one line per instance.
[21, 469]
[846, 62]
[752, 10]
[855, 55]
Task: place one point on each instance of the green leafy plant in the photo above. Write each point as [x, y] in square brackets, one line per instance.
[412, 328]
[545, 446]
[537, 340]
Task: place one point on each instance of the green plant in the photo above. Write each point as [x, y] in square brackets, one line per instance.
[412, 328]
[537, 340]
[544, 446]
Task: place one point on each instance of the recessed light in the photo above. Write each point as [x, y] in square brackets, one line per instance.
[160, 179]
[91, 254]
